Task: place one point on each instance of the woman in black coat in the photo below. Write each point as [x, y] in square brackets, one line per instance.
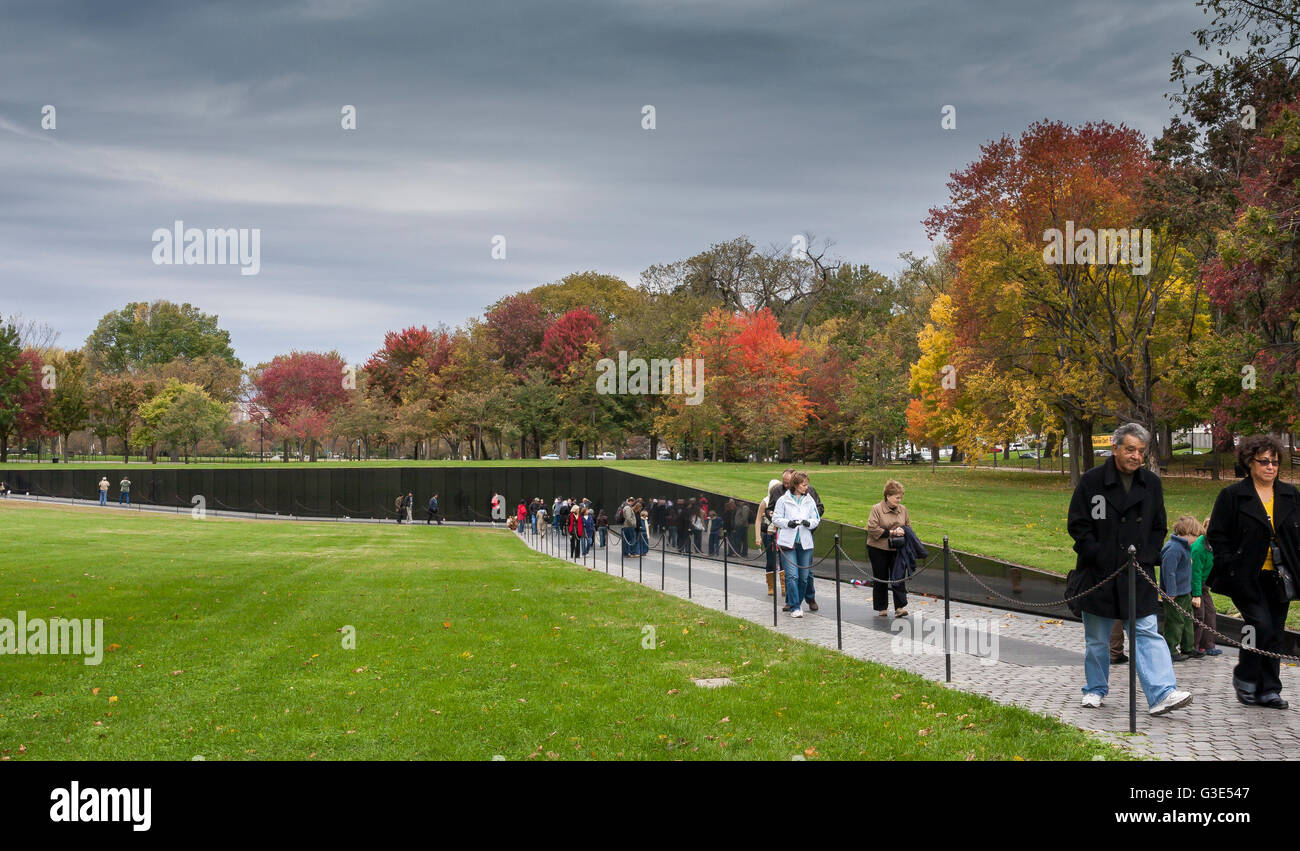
[1254, 526]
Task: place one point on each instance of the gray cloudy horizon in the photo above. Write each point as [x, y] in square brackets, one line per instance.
[520, 120]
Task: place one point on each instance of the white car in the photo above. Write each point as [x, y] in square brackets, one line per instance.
[551, 456]
[607, 456]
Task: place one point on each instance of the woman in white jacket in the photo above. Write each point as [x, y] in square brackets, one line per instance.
[794, 518]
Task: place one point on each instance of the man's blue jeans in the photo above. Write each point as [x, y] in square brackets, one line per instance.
[124, 498]
[103, 497]
[1155, 667]
[797, 564]
[629, 540]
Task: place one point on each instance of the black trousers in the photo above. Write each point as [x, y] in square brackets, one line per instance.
[882, 562]
[1261, 607]
[575, 545]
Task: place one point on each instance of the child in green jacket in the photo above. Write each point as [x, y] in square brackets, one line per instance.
[1202, 599]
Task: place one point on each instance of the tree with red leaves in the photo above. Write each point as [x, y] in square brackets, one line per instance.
[389, 369]
[300, 391]
[516, 325]
[565, 342]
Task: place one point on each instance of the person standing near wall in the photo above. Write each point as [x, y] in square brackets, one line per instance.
[765, 537]
[884, 532]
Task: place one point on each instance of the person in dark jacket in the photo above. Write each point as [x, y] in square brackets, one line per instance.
[672, 518]
[1117, 505]
[1176, 581]
[1254, 526]
[433, 511]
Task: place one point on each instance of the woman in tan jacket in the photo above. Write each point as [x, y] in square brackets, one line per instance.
[887, 519]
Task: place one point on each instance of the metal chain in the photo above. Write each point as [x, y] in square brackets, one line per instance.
[871, 577]
[1050, 605]
[1217, 634]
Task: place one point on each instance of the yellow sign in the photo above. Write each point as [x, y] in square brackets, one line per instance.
[1101, 441]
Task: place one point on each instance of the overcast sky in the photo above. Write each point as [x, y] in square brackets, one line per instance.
[516, 119]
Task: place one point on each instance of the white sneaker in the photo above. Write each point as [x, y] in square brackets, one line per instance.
[1092, 699]
[1175, 700]
[796, 613]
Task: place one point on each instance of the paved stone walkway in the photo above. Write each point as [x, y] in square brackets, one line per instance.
[1039, 664]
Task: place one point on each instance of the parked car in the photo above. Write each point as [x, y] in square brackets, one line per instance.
[551, 456]
[1102, 453]
[914, 458]
[607, 456]
[1033, 456]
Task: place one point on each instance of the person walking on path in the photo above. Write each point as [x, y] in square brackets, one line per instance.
[1117, 505]
[103, 490]
[124, 491]
[433, 511]
[408, 507]
[588, 529]
[885, 537]
[1202, 599]
[1254, 537]
[1176, 581]
[765, 537]
[795, 517]
[672, 519]
[628, 526]
[574, 527]
[521, 516]
[774, 494]
[602, 528]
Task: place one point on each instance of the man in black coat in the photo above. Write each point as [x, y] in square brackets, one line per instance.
[1115, 506]
[773, 495]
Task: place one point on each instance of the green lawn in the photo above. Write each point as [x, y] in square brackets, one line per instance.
[225, 642]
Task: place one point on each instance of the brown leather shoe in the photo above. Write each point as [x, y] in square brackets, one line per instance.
[812, 605]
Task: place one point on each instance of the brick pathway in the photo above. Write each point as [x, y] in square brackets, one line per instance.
[1048, 681]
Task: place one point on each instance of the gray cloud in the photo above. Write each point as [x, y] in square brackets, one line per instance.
[521, 120]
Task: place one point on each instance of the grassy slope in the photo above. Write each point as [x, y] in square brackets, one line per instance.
[468, 645]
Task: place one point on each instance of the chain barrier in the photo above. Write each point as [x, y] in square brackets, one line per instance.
[858, 567]
[1051, 605]
[1232, 642]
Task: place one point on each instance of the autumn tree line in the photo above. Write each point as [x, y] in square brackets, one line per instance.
[1002, 332]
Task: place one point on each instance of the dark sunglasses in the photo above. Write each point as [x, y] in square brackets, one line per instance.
[1266, 462]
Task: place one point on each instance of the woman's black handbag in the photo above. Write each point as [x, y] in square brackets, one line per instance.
[1286, 584]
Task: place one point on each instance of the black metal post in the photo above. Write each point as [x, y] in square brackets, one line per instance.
[662, 569]
[1132, 639]
[947, 617]
[607, 549]
[622, 552]
[688, 572]
[839, 632]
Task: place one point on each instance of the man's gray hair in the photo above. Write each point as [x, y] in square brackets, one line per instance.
[1134, 429]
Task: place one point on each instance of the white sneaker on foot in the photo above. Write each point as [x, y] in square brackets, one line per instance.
[1092, 699]
[796, 613]
[1175, 700]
